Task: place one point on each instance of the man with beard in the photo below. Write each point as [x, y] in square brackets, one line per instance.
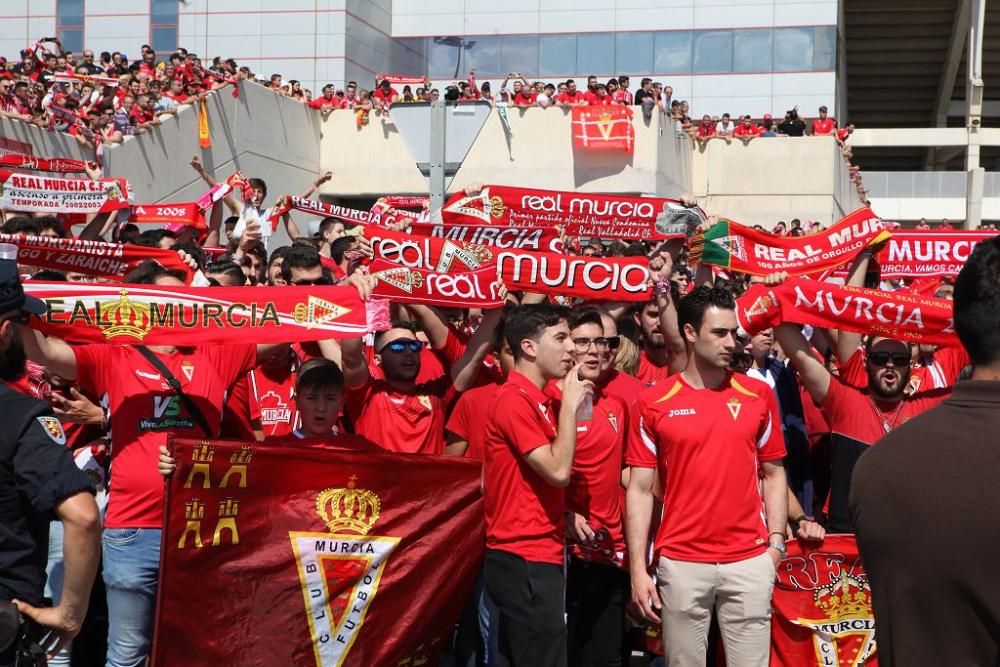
[858, 417]
[662, 346]
[38, 479]
[395, 411]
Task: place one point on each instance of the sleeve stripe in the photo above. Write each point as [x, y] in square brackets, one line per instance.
[767, 433]
[646, 440]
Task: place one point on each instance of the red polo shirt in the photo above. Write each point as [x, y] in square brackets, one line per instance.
[708, 446]
[824, 126]
[524, 513]
[466, 422]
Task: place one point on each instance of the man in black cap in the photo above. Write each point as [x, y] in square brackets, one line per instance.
[38, 482]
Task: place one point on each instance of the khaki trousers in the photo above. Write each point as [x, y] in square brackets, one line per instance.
[740, 593]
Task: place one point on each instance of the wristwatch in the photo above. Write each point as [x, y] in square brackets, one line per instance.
[780, 546]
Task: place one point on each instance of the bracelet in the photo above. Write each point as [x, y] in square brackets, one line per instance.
[661, 288]
[803, 517]
[775, 532]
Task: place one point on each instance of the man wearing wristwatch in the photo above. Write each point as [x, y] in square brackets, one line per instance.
[715, 439]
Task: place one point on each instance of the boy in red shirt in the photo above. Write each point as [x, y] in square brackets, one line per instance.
[824, 124]
[529, 459]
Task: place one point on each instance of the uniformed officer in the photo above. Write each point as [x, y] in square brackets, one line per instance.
[38, 483]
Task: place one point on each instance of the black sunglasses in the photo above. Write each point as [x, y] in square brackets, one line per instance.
[402, 344]
[899, 359]
[306, 281]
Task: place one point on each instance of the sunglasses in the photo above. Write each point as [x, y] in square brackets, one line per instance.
[310, 281]
[403, 344]
[604, 343]
[882, 358]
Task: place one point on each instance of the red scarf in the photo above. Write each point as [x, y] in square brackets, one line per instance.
[927, 254]
[95, 258]
[183, 213]
[736, 247]
[537, 239]
[288, 203]
[471, 289]
[898, 315]
[55, 165]
[402, 79]
[581, 214]
[150, 315]
[44, 194]
[400, 201]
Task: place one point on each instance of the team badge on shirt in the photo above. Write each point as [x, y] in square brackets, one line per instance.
[425, 401]
[734, 406]
[53, 429]
[187, 367]
[613, 420]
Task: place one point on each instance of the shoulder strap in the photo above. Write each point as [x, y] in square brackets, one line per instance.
[175, 384]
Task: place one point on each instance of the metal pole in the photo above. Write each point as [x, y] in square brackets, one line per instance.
[973, 117]
[439, 121]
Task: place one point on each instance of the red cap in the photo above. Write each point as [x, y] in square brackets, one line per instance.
[767, 116]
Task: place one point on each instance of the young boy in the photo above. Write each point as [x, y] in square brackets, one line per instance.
[319, 393]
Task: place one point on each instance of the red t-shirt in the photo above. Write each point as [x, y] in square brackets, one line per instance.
[595, 487]
[326, 104]
[744, 131]
[341, 442]
[622, 96]
[856, 423]
[570, 98]
[410, 422]
[140, 115]
[384, 98]
[520, 99]
[144, 410]
[939, 371]
[466, 419]
[706, 129]
[827, 126]
[843, 133]
[524, 513]
[708, 446]
[272, 399]
[649, 373]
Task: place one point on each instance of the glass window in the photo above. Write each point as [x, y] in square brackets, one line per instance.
[825, 50]
[672, 52]
[793, 49]
[164, 40]
[752, 50]
[595, 53]
[634, 53]
[713, 51]
[483, 54]
[442, 57]
[557, 55]
[163, 11]
[72, 39]
[69, 13]
[520, 55]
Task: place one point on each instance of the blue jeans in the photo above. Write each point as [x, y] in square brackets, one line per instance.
[131, 568]
[56, 573]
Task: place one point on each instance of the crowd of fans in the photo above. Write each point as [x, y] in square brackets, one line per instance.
[410, 390]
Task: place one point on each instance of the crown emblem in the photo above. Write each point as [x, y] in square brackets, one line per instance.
[124, 317]
[761, 305]
[848, 597]
[349, 510]
[497, 206]
[481, 253]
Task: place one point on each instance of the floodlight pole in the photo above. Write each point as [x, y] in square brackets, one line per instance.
[439, 121]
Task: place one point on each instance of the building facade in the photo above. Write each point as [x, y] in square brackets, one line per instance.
[737, 56]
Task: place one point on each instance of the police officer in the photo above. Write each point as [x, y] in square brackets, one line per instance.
[38, 483]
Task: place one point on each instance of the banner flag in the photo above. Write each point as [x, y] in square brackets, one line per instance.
[46, 194]
[822, 607]
[155, 315]
[183, 213]
[910, 255]
[735, 247]
[536, 239]
[603, 128]
[314, 553]
[899, 315]
[579, 213]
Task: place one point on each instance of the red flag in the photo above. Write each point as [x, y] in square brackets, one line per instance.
[471, 289]
[111, 261]
[298, 555]
[183, 213]
[822, 607]
[926, 254]
[603, 128]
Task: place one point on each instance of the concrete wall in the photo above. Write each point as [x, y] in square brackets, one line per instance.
[261, 133]
[774, 179]
[374, 159]
[18, 137]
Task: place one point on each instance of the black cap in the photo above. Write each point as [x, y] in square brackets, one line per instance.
[12, 296]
